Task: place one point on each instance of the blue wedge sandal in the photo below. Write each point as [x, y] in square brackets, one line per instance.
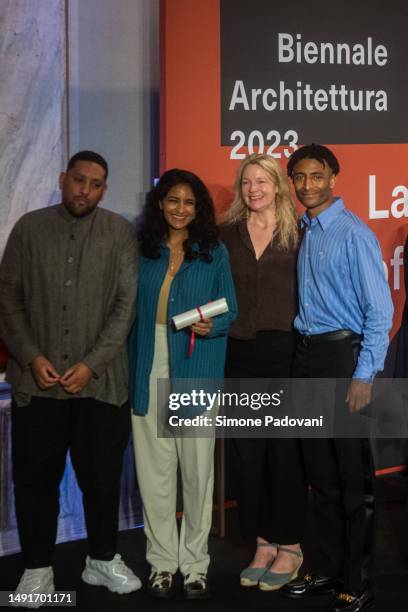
[250, 576]
[272, 581]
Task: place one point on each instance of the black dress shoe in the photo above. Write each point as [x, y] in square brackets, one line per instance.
[196, 586]
[311, 584]
[161, 585]
[351, 602]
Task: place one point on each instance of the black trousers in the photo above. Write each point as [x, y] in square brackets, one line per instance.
[340, 473]
[269, 483]
[96, 435]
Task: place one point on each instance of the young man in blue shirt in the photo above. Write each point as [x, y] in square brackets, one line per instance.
[345, 314]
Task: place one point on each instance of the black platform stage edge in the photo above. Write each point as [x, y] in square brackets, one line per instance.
[228, 557]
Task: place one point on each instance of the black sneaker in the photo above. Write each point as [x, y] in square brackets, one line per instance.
[161, 585]
[196, 586]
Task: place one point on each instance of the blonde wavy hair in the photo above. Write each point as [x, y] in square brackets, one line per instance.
[286, 233]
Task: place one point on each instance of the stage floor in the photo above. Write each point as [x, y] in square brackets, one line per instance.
[229, 556]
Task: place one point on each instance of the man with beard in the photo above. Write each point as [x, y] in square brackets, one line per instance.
[67, 292]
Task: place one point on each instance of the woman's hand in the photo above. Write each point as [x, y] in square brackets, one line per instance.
[202, 328]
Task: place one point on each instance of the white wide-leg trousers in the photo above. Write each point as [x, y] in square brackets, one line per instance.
[156, 466]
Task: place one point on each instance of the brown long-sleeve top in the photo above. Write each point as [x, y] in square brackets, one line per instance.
[67, 291]
[265, 288]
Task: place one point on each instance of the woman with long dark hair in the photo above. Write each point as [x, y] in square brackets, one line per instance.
[183, 266]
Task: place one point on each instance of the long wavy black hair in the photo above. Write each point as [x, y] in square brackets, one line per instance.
[202, 231]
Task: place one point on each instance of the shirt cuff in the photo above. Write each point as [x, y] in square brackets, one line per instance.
[367, 380]
[93, 364]
[28, 355]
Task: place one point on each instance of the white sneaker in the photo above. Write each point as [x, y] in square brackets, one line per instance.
[115, 575]
[33, 583]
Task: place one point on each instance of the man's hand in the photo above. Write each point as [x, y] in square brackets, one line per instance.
[358, 395]
[45, 375]
[202, 328]
[76, 378]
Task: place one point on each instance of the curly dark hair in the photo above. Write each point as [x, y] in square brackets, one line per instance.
[202, 231]
[314, 151]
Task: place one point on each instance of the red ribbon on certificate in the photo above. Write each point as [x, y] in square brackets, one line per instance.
[192, 341]
[192, 334]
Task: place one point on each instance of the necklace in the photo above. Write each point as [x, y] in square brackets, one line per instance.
[176, 257]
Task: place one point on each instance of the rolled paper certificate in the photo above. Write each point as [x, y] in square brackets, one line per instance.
[202, 312]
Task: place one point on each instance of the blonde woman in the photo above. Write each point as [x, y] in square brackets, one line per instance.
[261, 235]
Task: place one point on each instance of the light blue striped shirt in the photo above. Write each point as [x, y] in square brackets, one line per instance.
[342, 284]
